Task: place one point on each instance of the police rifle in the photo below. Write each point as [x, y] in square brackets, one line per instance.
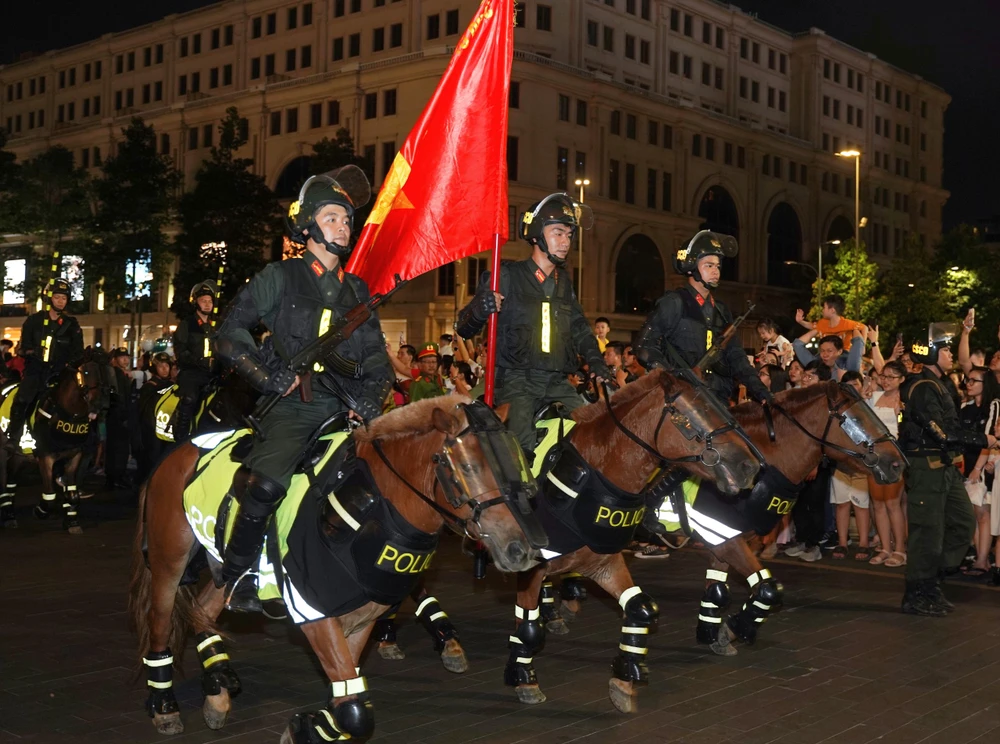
[719, 344]
[322, 351]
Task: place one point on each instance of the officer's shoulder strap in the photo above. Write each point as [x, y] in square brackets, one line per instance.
[689, 303]
[907, 392]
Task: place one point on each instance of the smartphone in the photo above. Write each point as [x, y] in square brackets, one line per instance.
[899, 338]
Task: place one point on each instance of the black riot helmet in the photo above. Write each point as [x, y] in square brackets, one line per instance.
[555, 209]
[57, 286]
[347, 186]
[705, 243]
[202, 289]
[939, 336]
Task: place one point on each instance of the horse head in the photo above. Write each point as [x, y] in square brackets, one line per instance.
[480, 482]
[71, 391]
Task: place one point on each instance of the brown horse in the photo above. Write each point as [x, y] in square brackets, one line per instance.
[447, 442]
[827, 420]
[60, 427]
[655, 420]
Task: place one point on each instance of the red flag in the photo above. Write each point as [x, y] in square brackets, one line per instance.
[445, 196]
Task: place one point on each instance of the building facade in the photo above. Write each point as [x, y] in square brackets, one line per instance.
[681, 114]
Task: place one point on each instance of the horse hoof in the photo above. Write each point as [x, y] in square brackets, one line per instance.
[453, 658]
[530, 694]
[567, 612]
[391, 651]
[75, 529]
[623, 695]
[557, 627]
[215, 709]
[723, 643]
[168, 724]
[287, 737]
[40, 513]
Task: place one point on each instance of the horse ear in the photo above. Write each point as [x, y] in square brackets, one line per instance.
[502, 411]
[444, 422]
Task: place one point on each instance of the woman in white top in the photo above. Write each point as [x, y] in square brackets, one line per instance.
[890, 522]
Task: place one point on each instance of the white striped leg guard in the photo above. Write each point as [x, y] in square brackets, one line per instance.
[765, 593]
[641, 615]
[216, 674]
[160, 681]
[714, 602]
[528, 639]
[436, 622]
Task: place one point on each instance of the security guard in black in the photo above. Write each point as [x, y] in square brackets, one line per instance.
[192, 347]
[690, 319]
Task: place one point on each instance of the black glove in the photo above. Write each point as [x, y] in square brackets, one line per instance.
[368, 408]
[280, 381]
[601, 370]
[484, 304]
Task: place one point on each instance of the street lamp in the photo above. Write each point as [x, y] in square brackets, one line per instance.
[856, 154]
[804, 265]
[582, 183]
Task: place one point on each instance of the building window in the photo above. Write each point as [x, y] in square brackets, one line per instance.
[512, 158]
[592, 30]
[378, 39]
[255, 28]
[433, 26]
[371, 105]
[755, 52]
[164, 144]
[666, 192]
[193, 138]
[668, 136]
[696, 145]
[782, 101]
[275, 123]
[514, 95]
[213, 77]
[629, 46]
[292, 120]
[338, 8]
[214, 42]
[543, 18]
[783, 63]
[354, 45]
[688, 25]
[182, 89]
[332, 113]
[293, 18]
[396, 35]
[653, 132]
[446, 280]
[765, 165]
[306, 56]
[674, 63]
[338, 49]
[755, 91]
[581, 113]
[629, 183]
[563, 107]
[614, 178]
[644, 52]
[272, 24]
[255, 68]
[718, 78]
[710, 148]
[609, 39]
[389, 102]
[616, 122]
[562, 168]
[227, 35]
[771, 59]
[651, 179]
[706, 73]
[195, 82]
[206, 135]
[315, 115]
[771, 96]
[227, 74]
[451, 23]
[687, 66]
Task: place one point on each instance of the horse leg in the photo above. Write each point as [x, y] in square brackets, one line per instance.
[528, 638]
[572, 592]
[385, 632]
[640, 618]
[712, 631]
[765, 592]
[348, 714]
[441, 630]
[71, 497]
[7, 470]
[554, 622]
[219, 681]
[47, 505]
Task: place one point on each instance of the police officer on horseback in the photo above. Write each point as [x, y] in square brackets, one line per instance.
[192, 348]
[688, 320]
[297, 300]
[939, 514]
[541, 326]
[50, 341]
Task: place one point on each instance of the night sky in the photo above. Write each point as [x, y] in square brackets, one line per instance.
[953, 45]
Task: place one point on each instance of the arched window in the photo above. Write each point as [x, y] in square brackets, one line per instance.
[639, 277]
[840, 229]
[292, 178]
[718, 212]
[784, 243]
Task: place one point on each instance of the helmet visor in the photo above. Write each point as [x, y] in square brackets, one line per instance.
[941, 334]
[708, 243]
[564, 209]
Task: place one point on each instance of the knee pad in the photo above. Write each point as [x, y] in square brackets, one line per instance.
[436, 622]
[572, 587]
[159, 680]
[770, 592]
[351, 720]
[217, 674]
[640, 609]
[262, 495]
[356, 718]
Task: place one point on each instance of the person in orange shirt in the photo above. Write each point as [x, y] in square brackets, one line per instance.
[832, 324]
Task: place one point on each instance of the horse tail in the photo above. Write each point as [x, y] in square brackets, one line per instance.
[186, 613]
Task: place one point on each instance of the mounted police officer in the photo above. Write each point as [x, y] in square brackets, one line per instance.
[688, 320]
[50, 341]
[541, 326]
[939, 514]
[192, 348]
[297, 300]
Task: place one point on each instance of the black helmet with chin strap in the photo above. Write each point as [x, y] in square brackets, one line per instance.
[705, 243]
[203, 289]
[939, 336]
[347, 186]
[555, 209]
[57, 286]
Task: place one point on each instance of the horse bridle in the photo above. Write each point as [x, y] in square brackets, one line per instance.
[837, 411]
[670, 408]
[516, 497]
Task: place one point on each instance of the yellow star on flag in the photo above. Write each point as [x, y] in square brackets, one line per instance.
[391, 196]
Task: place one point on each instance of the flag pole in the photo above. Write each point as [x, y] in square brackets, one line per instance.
[491, 329]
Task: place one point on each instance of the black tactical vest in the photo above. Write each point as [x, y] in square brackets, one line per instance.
[533, 330]
[198, 351]
[301, 316]
[692, 336]
[912, 437]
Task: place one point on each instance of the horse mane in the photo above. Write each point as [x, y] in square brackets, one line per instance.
[751, 415]
[628, 394]
[410, 420]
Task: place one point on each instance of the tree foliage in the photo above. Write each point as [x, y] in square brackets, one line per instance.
[136, 201]
[230, 204]
[912, 291]
[853, 276]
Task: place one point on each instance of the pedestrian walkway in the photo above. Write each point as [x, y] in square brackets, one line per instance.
[839, 664]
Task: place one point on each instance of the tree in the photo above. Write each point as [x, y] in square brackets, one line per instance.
[330, 154]
[912, 291]
[10, 176]
[853, 276]
[53, 204]
[135, 201]
[969, 273]
[229, 204]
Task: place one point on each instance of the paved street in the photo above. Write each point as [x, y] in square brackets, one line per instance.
[839, 664]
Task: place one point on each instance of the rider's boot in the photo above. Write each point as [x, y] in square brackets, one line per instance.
[257, 503]
[182, 420]
[655, 494]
